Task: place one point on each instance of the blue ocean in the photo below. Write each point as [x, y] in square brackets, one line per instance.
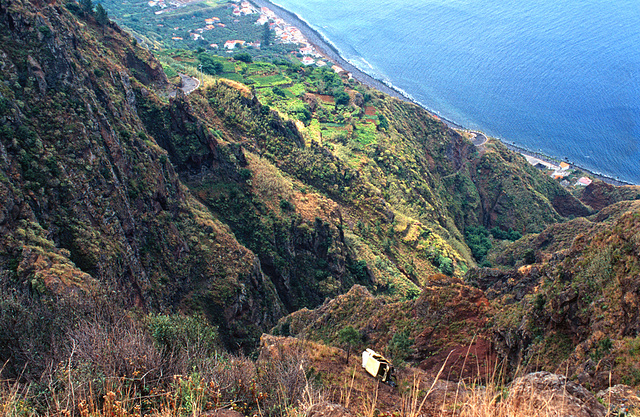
[557, 77]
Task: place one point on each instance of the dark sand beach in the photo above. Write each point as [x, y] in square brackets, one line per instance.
[328, 50]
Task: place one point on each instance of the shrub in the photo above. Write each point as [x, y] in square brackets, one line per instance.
[342, 98]
[286, 205]
[278, 91]
[244, 57]
[511, 234]
[44, 29]
[209, 65]
[191, 334]
[400, 345]
[446, 265]
[383, 123]
[477, 238]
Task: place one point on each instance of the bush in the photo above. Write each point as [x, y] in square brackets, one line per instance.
[192, 335]
[446, 265]
[286, 205]
[383, 123]
[44, 29]
[73, 7]
[278, 91]
[477, 238]
[400, 345]
[342, 98]
[209, 65]
[511, 234]
[244, 57]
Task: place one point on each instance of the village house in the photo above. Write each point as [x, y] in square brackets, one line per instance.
[267, 12]
[233, 43]
[307, 60]
[584, 181]
[307, 50]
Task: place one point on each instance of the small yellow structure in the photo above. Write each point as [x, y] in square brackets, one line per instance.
[378, 366]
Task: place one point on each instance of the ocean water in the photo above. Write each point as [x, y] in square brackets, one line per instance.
[560, 77]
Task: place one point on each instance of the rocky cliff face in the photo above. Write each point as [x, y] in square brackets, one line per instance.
[218, 204]
[89, 200]
[575, 301]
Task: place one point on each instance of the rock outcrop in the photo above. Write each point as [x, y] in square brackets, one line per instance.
[553, 395]
[328, 410]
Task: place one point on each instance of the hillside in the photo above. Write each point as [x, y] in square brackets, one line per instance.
[186, 226]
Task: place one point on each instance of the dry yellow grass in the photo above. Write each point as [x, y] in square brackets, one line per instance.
[244, 90]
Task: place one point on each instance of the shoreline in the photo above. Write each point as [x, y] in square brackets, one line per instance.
[324, 47]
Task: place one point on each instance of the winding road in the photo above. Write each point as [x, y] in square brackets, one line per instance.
[479, 138]
[189, 84]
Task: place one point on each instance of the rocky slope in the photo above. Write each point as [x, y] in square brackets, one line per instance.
[219, 203]
[90, 203]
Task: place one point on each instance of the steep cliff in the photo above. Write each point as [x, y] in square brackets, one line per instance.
[220, 203]
[572, 299]
[90, 202]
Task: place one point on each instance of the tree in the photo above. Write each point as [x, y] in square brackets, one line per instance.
[267, 35]
[244, 57]
[86, 6]
[342, 98]
[477, 238]
[400, 345]
[383, 123]
[101, 15]
[209, 65]
[349, 337]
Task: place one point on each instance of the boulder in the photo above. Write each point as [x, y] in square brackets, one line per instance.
[326, 409]
[553, 395]
[223, 412]
[621, 399]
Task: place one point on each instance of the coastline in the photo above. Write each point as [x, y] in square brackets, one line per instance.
[330, 52]
[555, 161]
[324, 47]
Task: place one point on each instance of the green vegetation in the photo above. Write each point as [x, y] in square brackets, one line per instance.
[400, 346]
[102, 16]
[477, 237]
[244, 57]
[167, 28]
[349, 337]
[273, 195]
